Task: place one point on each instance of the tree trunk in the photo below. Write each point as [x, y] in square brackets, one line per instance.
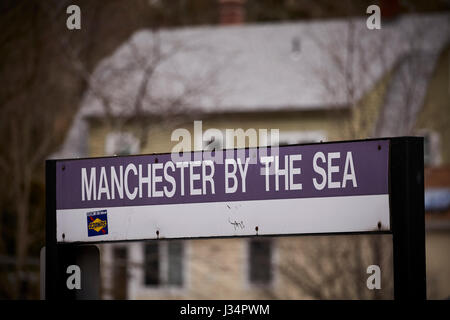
[21, 245]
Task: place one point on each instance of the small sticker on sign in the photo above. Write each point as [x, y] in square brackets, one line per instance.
[97, 223]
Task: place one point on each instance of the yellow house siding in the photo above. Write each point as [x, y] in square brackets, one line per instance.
[438, 264]
[330, 122]
[435, 113]
[335, 123]
[365, 114]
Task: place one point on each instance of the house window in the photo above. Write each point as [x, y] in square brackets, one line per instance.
[214, 143]
[431, 148]
[120, 271]
[297, 137]
[151, 269]
[427, 150]
[260, 270]
[295, 48]
[211, 139]
[175, 264]
[121, 144]
[164, 264]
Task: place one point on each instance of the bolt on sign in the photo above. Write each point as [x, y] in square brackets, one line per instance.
[319, 188]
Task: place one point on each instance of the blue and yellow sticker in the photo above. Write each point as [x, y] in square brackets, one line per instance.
[97, 223]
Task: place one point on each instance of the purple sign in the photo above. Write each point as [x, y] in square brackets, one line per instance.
[304, 171]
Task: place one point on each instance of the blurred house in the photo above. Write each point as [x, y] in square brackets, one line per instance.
[313, 81]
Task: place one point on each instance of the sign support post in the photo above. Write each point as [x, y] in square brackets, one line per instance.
[51, 250]
[81, 263]
[408, 218]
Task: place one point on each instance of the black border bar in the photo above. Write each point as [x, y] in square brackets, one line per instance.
[408, 217]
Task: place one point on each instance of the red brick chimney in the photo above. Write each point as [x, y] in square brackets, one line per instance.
[231, 12]
[390, 8]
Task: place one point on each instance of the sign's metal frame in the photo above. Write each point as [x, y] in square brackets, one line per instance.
[406, 197]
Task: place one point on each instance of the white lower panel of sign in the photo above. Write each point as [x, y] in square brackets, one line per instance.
[221, 219]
